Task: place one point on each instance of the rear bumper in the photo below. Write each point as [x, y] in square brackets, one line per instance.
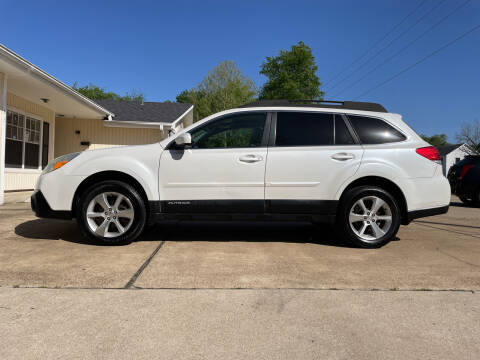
[416, 214]
[42, 209]
[427, 193]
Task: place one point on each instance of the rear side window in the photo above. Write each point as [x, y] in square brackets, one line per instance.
[375, 131]
[304, 129]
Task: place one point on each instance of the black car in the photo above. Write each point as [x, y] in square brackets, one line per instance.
[464, 178]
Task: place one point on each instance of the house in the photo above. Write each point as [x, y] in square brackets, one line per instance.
[451, 154]
[42, 118]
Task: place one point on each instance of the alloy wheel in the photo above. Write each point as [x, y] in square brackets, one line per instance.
[370, 218]
[110, 214]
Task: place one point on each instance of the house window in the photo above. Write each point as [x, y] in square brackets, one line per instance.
[457, 160]
[22, 145]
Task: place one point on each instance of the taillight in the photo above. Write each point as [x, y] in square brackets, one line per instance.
[429, 152]
[465, 168]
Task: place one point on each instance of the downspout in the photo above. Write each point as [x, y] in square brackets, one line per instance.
[3, 131]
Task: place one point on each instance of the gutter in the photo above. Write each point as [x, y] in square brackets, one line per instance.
[134, 124]
[35, 71]
[174, 124]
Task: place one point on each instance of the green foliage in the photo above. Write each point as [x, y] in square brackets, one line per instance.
[436, 140]
[95, 92]
[291, 75]
[224, 87]
[200, 101]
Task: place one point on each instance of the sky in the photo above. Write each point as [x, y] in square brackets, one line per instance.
[161, 48]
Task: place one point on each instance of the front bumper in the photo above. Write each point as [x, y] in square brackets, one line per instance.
[42, 209]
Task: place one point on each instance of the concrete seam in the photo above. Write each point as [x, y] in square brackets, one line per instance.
[133, 287]
[447, 230]
[135, 276]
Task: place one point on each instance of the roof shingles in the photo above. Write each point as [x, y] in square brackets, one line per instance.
[447, 149]
[148, 112]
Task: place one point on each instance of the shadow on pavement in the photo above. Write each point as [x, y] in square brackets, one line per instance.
[460, 204]
[287, 232]
[66, 230]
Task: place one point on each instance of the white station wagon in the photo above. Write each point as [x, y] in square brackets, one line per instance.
[350, 164]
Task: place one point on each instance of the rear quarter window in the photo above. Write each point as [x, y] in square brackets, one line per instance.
[375, 131]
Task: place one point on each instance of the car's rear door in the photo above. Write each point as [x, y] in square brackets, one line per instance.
[310, 155]
[223, 171]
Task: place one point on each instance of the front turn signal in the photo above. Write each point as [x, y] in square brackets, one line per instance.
[59, 164]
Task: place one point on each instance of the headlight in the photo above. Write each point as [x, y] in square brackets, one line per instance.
[59, 162]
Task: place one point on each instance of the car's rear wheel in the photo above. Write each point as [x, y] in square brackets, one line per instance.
[111, 212]
[368, 217]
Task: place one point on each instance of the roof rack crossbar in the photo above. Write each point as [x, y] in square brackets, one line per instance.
[350, 105]
[314, 101]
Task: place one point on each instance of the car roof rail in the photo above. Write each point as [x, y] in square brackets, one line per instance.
[350, 105]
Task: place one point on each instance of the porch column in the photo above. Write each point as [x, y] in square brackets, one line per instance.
[3, 130]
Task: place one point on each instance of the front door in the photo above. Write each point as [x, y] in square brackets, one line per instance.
[222, 172]
[311, 155]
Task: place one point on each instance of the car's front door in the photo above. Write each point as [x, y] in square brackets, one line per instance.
[223, 171]
[311, 155]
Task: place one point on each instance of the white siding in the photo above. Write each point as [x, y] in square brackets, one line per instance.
[451, 158]
[20, 181]
[99, 135]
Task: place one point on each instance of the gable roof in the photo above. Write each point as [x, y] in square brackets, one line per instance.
[33, 83]
[145, 112]
[447, 149]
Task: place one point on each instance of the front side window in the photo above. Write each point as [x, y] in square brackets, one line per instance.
[304, 129]
[236, 131]
[375, 131]
[22, 146]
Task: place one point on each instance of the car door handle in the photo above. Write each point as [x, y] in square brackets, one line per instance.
[250, 158]
[343, 156]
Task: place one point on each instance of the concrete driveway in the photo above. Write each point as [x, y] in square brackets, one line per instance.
[235, 290]
[438, 253]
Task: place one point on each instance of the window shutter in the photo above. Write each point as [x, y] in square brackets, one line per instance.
[45, 143]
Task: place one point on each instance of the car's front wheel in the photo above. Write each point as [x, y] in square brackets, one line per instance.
[111, 212]
[368, 217]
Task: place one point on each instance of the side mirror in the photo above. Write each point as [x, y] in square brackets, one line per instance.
[183, 141]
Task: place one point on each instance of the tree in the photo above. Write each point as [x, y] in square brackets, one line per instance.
[470, 135]
[291, 75]
[95, 92]
[199, 99]
[224, 87]
[436, 139]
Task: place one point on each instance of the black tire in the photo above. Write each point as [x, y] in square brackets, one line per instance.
[138, 223]
[343, 227]
[471, 202]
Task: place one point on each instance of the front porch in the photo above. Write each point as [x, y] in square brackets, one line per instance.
[30, 102]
